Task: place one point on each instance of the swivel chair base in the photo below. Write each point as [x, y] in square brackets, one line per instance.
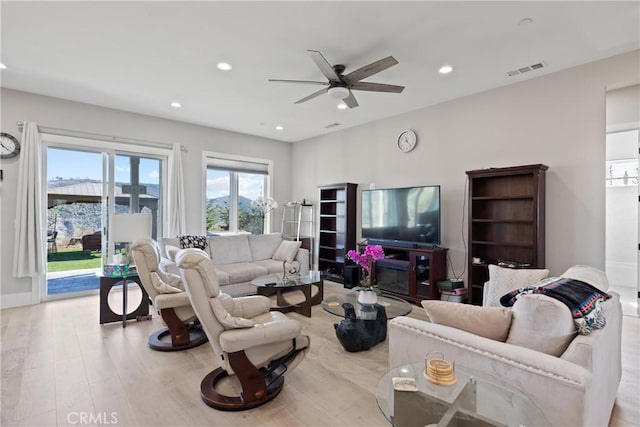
[212, 398]
[196, 337]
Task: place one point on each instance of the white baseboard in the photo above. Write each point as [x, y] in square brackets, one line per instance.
[16, 300]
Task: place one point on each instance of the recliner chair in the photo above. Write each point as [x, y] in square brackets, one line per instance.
[255, 344]
[169, 298]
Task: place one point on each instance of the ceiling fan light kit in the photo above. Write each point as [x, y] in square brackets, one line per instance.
[338, 92]
[340, 86]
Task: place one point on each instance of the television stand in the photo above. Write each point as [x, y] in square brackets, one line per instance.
[410, 273]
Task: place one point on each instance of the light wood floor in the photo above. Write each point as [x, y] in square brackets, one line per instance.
[58, 362]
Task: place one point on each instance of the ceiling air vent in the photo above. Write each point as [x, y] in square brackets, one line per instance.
[525, 69]
[332, 125]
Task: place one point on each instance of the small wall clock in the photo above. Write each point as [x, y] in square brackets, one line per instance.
[407, 141]
[9, 146]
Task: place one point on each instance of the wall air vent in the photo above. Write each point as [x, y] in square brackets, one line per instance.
[525, 69]
[332, 125]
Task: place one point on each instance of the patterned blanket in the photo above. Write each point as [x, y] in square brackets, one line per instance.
[582, 299]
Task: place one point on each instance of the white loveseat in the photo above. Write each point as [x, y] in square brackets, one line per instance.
[238, 259]
[576, 388]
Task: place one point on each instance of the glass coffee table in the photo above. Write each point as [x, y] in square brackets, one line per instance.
[274, 283]
[393, 306]
[476, 399]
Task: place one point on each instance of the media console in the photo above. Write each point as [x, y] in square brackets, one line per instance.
[410, 273]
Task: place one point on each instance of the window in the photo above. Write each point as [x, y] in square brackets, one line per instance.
[232, 184]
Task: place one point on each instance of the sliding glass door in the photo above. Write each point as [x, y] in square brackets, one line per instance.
[75, 220]
[86, 182]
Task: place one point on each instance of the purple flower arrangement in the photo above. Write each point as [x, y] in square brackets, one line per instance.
[365, 260]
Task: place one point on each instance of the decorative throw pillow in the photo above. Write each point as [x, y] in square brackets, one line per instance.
[287, 251]
[171, 252]
[503, 280]
[193, 241]
[488, 322]
[542, 323]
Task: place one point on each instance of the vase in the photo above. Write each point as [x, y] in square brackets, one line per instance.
[367, 297]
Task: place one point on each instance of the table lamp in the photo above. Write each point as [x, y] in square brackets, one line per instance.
[126, 228]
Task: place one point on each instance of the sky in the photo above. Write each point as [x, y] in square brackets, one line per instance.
[250, 186]
[81, 164]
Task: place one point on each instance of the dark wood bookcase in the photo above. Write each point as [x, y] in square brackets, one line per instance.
[337, 231]
[506, 221]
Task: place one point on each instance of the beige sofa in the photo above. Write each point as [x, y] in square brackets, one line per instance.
[576, 388]
[238, 259]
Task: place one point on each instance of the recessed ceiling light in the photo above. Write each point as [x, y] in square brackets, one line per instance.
[2, 66]
[224, 66]
[525, 21]
[445, 69]
[342, 106]
[176, 104]
[279, 127]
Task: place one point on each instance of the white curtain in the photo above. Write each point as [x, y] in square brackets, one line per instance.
[29, 244]
[175, 193]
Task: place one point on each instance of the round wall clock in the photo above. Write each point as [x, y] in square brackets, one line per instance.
[407, 141]
[9, 146]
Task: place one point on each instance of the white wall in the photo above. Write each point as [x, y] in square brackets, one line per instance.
[58, 113]
[623, 107]
[558, 120]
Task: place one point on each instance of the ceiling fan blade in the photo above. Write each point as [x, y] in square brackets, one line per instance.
[371, 69]
[313, 95]
[376, 87]
[350, 100]
[324, 66]
[307, 82]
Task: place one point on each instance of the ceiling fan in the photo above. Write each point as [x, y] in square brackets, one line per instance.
[340, 86]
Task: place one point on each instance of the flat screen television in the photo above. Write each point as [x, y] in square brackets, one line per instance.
[402, 216]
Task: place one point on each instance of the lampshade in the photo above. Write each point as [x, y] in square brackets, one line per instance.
[129, 227]
[338, 92]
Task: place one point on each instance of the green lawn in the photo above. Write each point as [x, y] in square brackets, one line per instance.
[72, 259]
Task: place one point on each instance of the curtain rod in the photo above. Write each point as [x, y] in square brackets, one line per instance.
[101, 137]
